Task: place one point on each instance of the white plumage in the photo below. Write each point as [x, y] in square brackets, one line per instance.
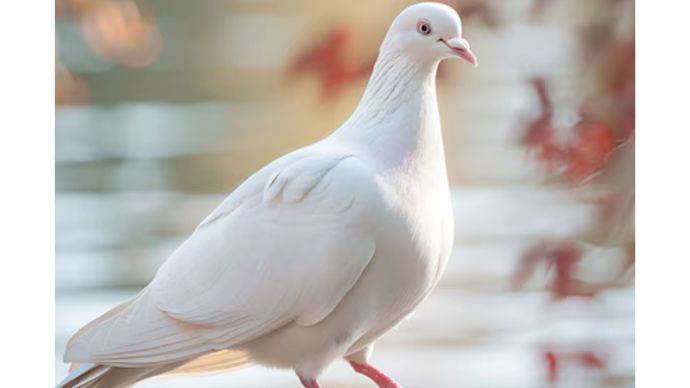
[316, 255]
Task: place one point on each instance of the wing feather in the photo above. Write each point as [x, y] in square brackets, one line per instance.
[248, 268]
[286, 246]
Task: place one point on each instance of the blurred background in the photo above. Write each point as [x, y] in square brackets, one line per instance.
[164, 106]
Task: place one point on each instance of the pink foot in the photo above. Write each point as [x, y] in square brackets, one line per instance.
[310, 383]
[375, 375]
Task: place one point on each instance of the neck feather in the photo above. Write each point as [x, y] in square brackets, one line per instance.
[396, 82]
[397, 119]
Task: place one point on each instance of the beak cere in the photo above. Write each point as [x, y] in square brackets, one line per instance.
[461, 48]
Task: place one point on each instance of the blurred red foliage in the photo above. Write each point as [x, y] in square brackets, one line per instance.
[590, 150]
[586, 358]
[607, 114]
[562, 256]
[540, 135]
[331, 61]
[594, 140]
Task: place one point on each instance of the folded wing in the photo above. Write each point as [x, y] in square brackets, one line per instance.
[285, 247]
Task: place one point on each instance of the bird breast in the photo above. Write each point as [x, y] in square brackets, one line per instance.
[420, 245]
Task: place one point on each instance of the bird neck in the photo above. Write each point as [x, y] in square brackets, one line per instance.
[397, 121]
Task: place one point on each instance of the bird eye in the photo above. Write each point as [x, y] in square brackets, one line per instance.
[424, 28]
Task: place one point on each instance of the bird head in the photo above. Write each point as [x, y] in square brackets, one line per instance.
[428, 32]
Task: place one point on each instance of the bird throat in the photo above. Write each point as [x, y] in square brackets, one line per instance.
[397, 118]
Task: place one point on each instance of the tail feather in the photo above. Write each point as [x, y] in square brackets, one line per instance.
[106, 376]
[88, 375]
[83, 376]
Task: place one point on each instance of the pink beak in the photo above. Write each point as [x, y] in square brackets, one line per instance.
[461, 48]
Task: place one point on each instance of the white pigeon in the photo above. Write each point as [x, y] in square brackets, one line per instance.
[315, 256]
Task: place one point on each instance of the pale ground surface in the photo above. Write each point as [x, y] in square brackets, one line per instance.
[472, 331]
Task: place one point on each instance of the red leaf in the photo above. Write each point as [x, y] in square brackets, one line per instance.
[330, 61]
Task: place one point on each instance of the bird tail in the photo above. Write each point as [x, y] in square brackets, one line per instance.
[87, 375]
[83, 376]
[105, 376]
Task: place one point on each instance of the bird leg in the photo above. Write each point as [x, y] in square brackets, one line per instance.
[309, 383]
[380, 378]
